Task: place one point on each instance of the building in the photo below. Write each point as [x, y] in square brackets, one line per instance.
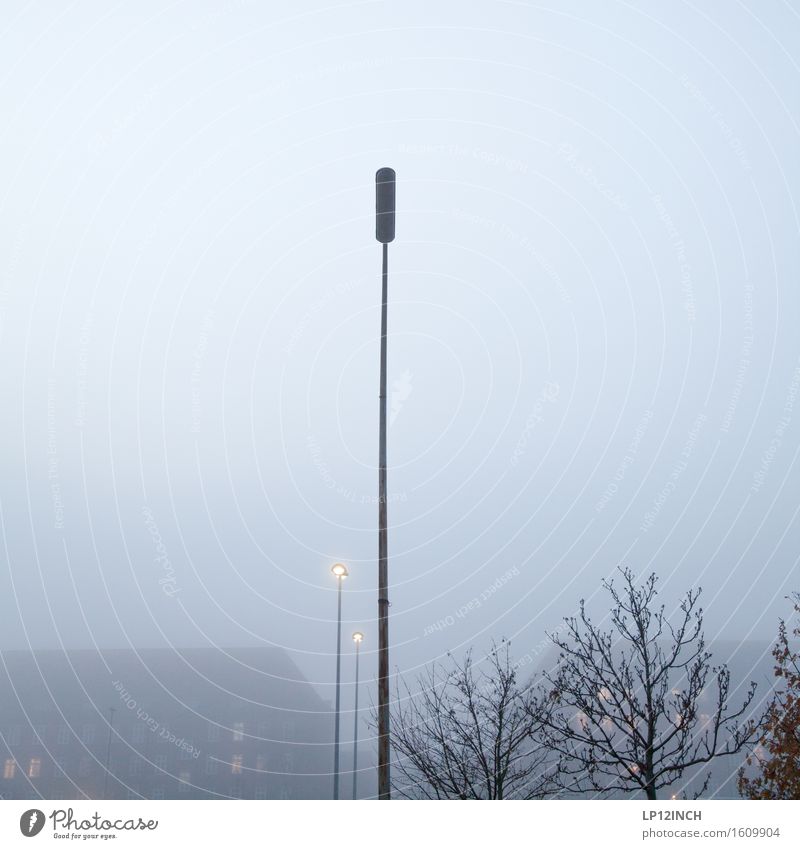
[185, 723]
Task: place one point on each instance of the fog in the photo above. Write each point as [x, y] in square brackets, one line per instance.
[593, 354]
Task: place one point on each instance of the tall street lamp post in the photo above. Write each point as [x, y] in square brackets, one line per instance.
[384, 233]
[357, 638]
[340, 571]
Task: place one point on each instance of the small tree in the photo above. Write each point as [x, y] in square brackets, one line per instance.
[627, 708]
[467, 731]
[778, 773]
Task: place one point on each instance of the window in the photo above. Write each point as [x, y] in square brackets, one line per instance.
[261, 792]
[35, 768]
[238, 731]
[263, 730]
[288, 730]
[59, 768]
[135, 767]
[288, 762]
[211, 766]
[236, 765]
[261, 763]
[10, 768]
[40, 734]
[213, 733]
[138, 734]
[185, 778]
[185, 753]
[63, 735]
[87, 734]
[85, 767]
[14, 735]
[161, 762]
[158, 792]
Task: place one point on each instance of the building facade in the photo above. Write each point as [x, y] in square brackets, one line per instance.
[161, 723]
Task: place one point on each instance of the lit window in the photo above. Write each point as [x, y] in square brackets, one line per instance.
[236, 765]
[10, 768]
[35, 768]
[238, 731]
[63, 735]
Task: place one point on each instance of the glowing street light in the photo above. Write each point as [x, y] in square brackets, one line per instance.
[340, 571]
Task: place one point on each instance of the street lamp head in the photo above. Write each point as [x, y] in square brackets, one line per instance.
[340, 570]
[384, 205]
[358, 637]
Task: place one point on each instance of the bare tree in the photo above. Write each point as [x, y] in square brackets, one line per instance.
[777, 759]
[632, 708]
[468, 731]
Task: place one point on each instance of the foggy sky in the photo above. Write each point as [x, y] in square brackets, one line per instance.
[593, 352]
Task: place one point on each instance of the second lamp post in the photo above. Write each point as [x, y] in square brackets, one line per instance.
[340, 571]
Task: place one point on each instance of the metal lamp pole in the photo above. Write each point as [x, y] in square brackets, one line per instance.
[108, 750]
[384, 233]
[340, 571]
[357, 638]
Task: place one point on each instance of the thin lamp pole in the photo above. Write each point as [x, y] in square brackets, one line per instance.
[108, 751]
[357, 638]
[340, 571]
[384, 233]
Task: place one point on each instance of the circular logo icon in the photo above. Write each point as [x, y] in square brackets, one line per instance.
[31, 822]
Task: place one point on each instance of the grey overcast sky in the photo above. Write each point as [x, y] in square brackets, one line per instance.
[594, 355]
